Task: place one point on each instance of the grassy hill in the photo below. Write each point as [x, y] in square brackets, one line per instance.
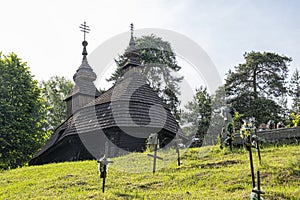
[206, 173]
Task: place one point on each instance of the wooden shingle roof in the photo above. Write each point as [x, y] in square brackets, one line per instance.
[130, 103]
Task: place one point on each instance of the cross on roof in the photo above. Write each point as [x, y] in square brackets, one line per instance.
[85, 29]
[131, 28]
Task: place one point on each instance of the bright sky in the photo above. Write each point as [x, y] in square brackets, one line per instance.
[46, 34]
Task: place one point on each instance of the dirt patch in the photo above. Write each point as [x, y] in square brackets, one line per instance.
[148, 185]
[66, 177]
[219, 164]
[81, 183]
[200, 174]
[124, 195]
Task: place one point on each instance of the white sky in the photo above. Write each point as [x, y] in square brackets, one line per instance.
[46, 34]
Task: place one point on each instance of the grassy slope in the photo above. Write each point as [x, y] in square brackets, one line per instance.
[213, 175]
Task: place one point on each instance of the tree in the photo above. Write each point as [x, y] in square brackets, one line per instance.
[55, 90]
[294, 91]
[22, 113]
[198, 114]
[217, 119]
[257, 83]
[263, 74]
[262, 108]
[159, 64]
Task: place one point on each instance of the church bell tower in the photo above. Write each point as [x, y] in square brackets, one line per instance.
[85, 90]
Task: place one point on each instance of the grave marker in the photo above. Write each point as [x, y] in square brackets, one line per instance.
[178, 143]
[258, 191]
[102, 166]
[256, 143]
[153, 141]
[252, 142]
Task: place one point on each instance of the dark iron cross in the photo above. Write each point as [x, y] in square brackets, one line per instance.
[257, 142]
[258, 190]
[102, 166]
[178, 142]
[84, 28]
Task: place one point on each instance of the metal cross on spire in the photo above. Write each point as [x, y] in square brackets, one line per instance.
[131, 42]
[85, 29]
[131, 28]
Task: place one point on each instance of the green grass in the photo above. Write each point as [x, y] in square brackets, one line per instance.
[206, 173]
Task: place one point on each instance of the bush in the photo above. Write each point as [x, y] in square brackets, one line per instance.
[295, 119]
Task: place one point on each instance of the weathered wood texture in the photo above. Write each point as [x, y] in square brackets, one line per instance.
[125, 115]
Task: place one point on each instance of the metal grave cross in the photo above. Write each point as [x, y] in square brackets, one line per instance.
[178, 143]
[251, 165]
[258, 191]
[256, 142]
[153, 140]
[246, 130]
[102, 165]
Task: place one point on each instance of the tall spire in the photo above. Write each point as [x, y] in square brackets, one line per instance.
[85, 29]
[131, 42]
[131, 53]
[84, 90]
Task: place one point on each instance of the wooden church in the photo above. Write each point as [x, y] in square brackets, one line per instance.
[123, 116]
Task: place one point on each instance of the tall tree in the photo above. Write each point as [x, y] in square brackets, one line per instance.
[55, 90]
[198, 114]
[217, 119]
[294, 91]
[263, 74]
[159, 64]
[261, 79]
[22, 113]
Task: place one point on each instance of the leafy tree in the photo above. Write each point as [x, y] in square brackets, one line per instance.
[295, 119]
[159, 61]
[22, 113]
[198, 114]
[255, 85]
[261, 108]
[294, 91]
[55, 90]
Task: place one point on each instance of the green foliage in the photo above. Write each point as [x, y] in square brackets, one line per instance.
[263, 74]
[255, 85]
[294, 91]
[55, 90]
[218, 103]
[261, 108]
[206, 173]
[198, 114]
[22, 113]
[295, 119]
[237, 117]
[159, 64]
